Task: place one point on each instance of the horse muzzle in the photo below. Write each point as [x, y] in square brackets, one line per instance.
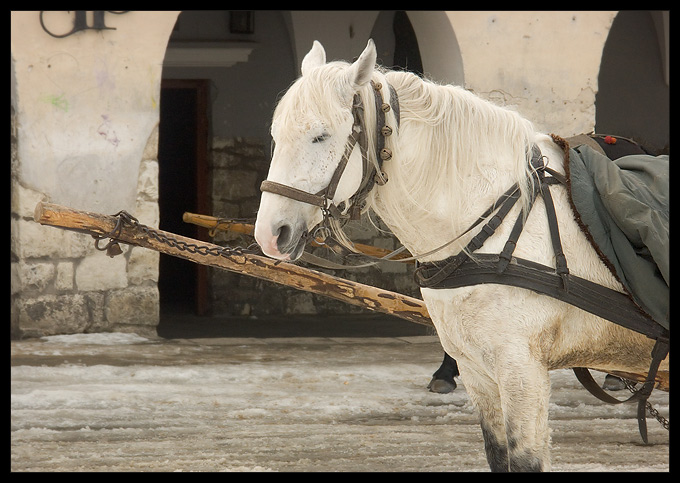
[283, 241]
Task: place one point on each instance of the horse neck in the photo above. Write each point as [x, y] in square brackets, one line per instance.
[454, 155]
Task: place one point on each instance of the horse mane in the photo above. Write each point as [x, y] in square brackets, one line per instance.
[450, 137]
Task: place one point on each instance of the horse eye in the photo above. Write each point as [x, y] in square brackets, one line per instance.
[320, 139]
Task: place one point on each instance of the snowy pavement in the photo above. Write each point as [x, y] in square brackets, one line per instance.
[120, 402]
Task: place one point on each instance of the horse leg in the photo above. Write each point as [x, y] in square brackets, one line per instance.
[485, 397]
[442, 380]
[513, 411]
[613, 383]
[524, 394]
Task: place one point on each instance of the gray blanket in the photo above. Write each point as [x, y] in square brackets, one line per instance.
[622, 206]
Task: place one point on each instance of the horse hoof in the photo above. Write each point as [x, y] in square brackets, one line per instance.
[441, 386]
[613, 383]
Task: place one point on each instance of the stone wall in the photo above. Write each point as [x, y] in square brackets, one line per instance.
[60, 284]
[238, 167]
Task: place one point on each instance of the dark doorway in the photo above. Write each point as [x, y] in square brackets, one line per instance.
[406, 51]
[633, 98]
[183, 173]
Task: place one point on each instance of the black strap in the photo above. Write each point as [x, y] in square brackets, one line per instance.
[451, 264]
[560, 259]
[659, 353]
[584, 294]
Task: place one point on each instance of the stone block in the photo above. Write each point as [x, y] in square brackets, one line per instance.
[33, 276]
[133, 306]
[51, 314]
[151, 148]
[32, 240]
[147, 213]
[64, 278]
[147, 184]
[143, 265]
[100, 272]
[301, 303]
[235, 184]
[25, 199]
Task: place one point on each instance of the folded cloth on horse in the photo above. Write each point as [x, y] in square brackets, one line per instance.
[622, 206]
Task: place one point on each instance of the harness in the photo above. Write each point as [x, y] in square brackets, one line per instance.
[469, 268]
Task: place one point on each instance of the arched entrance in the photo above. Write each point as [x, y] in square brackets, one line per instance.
[633, 96]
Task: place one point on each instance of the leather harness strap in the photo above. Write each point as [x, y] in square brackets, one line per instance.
[659, 353]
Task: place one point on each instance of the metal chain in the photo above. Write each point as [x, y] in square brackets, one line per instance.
[653, 412]
[126, 218]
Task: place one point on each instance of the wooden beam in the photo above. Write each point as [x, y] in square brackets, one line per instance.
[264, 268]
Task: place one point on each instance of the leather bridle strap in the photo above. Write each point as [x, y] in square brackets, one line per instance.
[293, 193]
[318, 199]
[324, 198]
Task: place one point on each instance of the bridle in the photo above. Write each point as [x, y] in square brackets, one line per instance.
[371, 175]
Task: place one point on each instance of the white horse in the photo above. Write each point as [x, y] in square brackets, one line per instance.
[453, 155]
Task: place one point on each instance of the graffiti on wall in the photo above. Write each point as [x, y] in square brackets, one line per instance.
[80, 21]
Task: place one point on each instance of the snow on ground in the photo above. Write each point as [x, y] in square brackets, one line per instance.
[120, 402]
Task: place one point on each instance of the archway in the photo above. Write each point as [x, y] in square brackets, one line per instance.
[633, 95]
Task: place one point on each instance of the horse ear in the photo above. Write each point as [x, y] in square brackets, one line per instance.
[314, 58]
[360, 72]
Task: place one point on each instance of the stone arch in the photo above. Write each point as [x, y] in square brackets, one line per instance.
[439, 50]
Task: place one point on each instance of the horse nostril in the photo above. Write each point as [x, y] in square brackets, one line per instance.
[284, 234]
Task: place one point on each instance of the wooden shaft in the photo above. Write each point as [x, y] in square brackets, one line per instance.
[283, 273]
[214, 223]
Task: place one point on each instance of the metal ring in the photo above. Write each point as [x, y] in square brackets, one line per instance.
[321, 234]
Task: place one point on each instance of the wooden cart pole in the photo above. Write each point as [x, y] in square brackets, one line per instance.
[283, 273]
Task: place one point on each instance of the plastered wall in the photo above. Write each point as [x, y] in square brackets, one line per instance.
[84, 134]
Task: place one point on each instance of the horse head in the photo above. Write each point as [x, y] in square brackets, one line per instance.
[316, 163]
